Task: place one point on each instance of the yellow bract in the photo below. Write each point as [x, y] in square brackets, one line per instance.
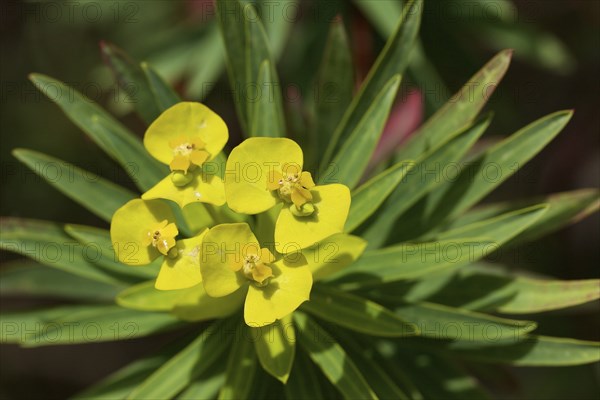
[232, 257]
[331, 204]
[201, 187]
[185, 134]
[248, 169]
[185, 137]
[183, 269]
[142, 230]
[262, 172]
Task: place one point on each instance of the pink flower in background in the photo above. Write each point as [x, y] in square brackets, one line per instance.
[404, 119]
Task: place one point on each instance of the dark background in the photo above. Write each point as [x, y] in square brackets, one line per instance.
[544, 77]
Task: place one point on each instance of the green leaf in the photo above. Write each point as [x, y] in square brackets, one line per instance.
[390, 63]
[383, 16]
[331, 358]
[131, 78]
[334, 87]
[164, 95]
[275, 346]
[120, 383]
[540, 48]
[103, 129]
[356, 313]
[21, 326]
[304, 382]
[486, 172]
[410, 260]
[47, 243]
[483, 288]
[563, 209]
[433, 169]
[370, 195]
[267, 111]
[96, 194]
[353, 156]
[437, 376]
[441, 322]
[198, 357]
[205, 387]
[145, 297]
[240, 369]
[102, 324]
[247, 48]
[25, 277]
[502, 228]
[98, 245]
[452, 249]
[460, 110]
[376, 375]
[534, 351]
[81, 324]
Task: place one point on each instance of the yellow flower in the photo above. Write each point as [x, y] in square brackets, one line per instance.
[141, 231]
[232, 258]
[263, 172]
[187, 137]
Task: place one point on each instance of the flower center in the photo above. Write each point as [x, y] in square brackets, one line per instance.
[256, 270]
[292, 188]
[187, 153]
[184, 149]
[162, 237]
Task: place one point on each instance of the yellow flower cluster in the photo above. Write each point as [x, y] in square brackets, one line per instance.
[263, 184]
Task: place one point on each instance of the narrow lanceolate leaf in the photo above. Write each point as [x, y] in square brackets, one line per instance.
[21, 326]
[356, 313]
[353, 157]
[376, 375]
[534, 351]
[333, 88]
[47, 243]
[120, 383]
[369, 196]
[331, 358]
[485, 289]
[502, 227]
[205, 387]
[198, 357]
[99, 250]
[102, 128]
[96, 194]
[443, 322]
[563, 209]
[489, 170]
[247, 48]
[86, 324]
[304, 382]
[266, 111]
[461, 109]
[435, 376]
[132, 80]
[29, 278]
[275, 346]
[240, 369]
[452, 250]
[411, 260]
[433, 169]
[145, 297]
[391, 62]
[164, 95]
